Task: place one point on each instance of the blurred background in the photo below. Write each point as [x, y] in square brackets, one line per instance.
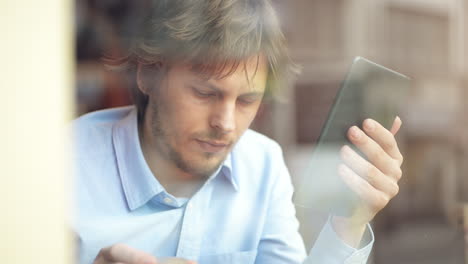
[423, 39]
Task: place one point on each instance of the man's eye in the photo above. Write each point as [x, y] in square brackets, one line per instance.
[246, 101]
[203, 94]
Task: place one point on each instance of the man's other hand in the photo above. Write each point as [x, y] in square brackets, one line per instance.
[374, 180]
[123, 254]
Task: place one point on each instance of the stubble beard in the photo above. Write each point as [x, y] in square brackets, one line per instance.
[169, 152]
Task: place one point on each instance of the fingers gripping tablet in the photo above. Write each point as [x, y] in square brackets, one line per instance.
[368, 91]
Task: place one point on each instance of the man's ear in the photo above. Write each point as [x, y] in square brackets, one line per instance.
[145, 76]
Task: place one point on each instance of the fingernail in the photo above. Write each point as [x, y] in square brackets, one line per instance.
[370, 125]
[355, 133]
[342, 169]
[345, 151]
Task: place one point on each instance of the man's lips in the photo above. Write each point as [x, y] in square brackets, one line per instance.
[212, 146]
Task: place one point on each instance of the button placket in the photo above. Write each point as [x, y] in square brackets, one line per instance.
[187, 244]
[192, 225]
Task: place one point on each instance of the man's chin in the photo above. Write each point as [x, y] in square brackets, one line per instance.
[206, 168]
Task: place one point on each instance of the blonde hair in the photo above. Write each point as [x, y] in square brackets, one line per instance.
[216, 36]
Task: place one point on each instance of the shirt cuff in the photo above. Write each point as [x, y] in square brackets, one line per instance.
[331, 249]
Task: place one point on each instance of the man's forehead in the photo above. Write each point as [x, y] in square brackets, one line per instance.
[249, 77]
[221, 69]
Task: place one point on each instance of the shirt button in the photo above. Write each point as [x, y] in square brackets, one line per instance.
[190, 206]
[168, 200]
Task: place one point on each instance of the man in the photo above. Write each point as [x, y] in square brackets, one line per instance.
[180, 175]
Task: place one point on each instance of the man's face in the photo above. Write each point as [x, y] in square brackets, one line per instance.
[195, 121]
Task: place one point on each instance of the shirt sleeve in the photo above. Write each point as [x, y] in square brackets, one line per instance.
[330, 249]
[281, 242]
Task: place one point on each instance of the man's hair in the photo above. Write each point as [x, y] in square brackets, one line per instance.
[215, 36]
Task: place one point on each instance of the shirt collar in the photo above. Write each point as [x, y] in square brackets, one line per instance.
[138, 182]
[227, 171]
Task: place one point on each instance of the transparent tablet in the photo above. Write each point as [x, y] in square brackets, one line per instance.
[368, 91]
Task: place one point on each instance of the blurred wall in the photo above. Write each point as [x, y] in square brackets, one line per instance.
[425, 40]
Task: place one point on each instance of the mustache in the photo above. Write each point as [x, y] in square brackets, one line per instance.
[215, 136]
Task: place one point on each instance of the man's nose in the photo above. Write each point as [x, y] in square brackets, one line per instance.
[224, 117]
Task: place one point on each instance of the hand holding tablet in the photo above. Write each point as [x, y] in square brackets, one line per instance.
[356, 163]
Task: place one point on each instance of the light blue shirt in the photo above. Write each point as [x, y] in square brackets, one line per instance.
[242, 214]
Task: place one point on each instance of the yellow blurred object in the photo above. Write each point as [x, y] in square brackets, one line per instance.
[37, 85]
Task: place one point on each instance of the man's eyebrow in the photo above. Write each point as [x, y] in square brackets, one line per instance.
[217, 89]
[209, 85]
[252, 94]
